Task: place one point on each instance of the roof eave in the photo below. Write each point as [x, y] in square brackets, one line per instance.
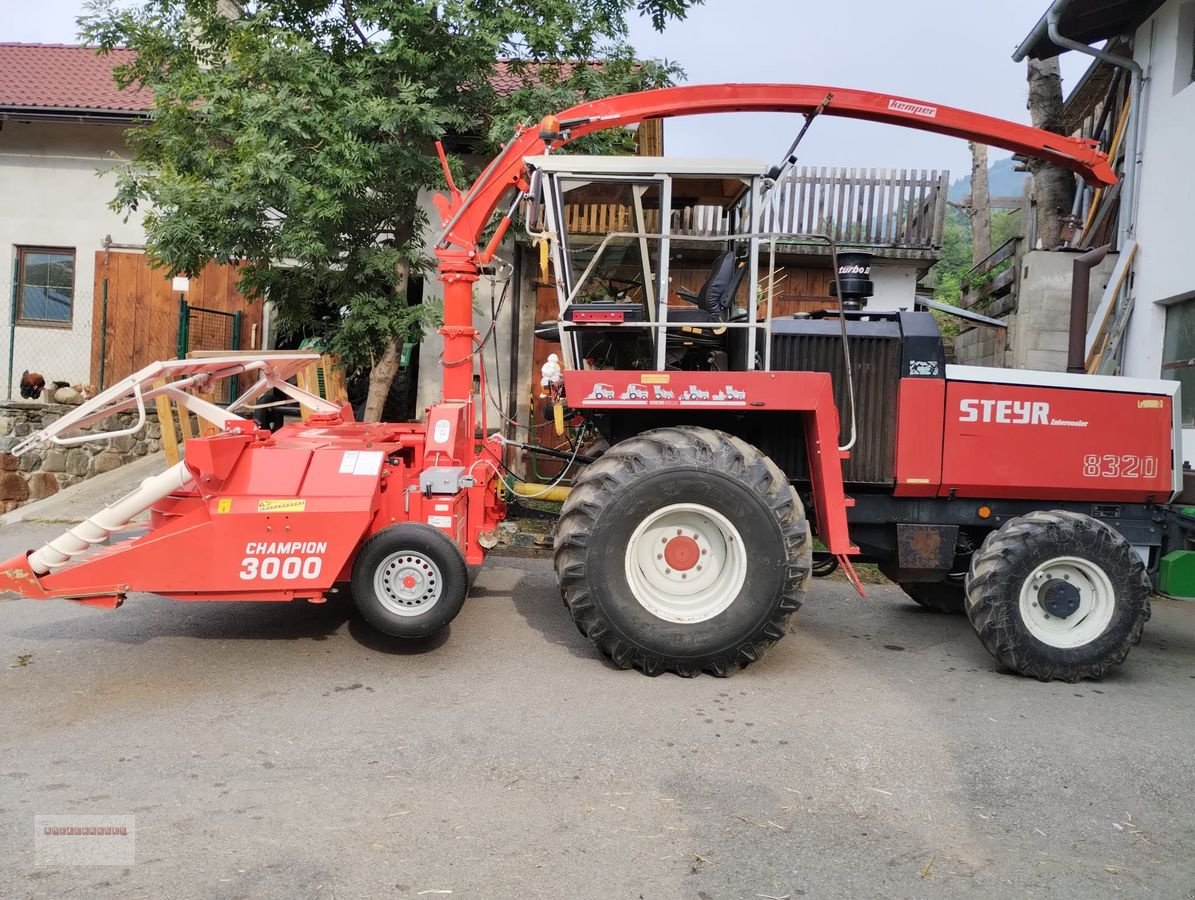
[73, 114]
[1040, 30]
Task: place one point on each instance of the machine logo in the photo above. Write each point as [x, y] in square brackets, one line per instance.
[1013, 412]
[1004, 412]
[917, 109]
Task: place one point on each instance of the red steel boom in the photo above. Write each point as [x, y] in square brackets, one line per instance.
[465, 216]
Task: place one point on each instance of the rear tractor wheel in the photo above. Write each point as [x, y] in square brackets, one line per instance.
[685, 550]
[1058, 596]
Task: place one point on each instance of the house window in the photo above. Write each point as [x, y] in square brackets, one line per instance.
[1178, 354]
[45, 286]
[1184, 60]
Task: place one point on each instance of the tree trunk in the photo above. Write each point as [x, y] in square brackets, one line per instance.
[980, 209]
[1053, 187]
[381, 376]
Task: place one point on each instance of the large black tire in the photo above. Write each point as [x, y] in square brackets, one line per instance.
[643, 487]
[949, 596]
[410, 580]
[1022, 594]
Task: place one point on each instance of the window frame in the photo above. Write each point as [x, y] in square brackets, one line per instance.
[1169, 370]
[19, 317]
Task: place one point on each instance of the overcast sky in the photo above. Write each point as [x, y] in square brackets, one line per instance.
[954, 52]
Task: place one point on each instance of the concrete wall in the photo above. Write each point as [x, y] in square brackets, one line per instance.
[53, 196]
[1038, 330]
[1166, 191]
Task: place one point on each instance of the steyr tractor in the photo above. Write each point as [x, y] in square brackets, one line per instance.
[729, 439]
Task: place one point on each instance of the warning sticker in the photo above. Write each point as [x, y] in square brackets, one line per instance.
[361, 462]
[273, 506]
[224, 505]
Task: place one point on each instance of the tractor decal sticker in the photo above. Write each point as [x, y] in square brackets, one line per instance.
[295, 504]
[649, 394]
[224, 505]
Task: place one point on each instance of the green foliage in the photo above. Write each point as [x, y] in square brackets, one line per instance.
[947, 275]
[295, 139]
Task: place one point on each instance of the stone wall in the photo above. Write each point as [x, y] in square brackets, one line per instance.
[47, 468]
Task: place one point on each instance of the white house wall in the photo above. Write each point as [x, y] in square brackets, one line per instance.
[1166, 195]
[895, 285]
[53, 197]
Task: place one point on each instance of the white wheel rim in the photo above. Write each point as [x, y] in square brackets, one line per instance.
[407, 583]
[685, 563]
[1061, 584]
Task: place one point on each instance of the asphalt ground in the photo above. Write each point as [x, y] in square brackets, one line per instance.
[286, 750]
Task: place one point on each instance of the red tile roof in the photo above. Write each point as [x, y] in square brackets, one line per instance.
[59, 77]
[506, 81]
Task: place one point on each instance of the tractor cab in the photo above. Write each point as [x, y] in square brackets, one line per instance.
[658, 261]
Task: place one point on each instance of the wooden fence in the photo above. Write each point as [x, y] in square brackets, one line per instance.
[866, 207]
[870, 207]
[991, 286]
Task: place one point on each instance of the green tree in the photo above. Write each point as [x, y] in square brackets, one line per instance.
[293, 137]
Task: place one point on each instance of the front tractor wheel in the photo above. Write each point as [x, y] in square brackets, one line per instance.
[1058, 596]
[410, 580]
[684, 550]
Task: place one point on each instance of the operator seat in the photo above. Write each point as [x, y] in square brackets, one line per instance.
[717, 293]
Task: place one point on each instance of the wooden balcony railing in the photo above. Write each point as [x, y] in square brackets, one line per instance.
[876, 209]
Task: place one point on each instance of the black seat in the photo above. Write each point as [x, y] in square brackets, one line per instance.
[722, 283]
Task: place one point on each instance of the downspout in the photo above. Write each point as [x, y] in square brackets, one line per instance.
[1129, 190]
[1076, 357]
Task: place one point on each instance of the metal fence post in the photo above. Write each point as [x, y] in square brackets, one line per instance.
[12, 322]
[104, 333]
[183, 323]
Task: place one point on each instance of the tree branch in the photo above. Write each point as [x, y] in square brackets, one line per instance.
[352, 20]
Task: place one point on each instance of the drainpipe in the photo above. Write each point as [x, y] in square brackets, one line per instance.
[1129, 190]
[1076, 357]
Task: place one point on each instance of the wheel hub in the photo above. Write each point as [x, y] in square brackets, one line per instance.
[682, 552]
[685, 563]
[1067, 602]
[408, 583]
[1061, 599]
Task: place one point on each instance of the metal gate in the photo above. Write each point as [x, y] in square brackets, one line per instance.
[209, 329]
